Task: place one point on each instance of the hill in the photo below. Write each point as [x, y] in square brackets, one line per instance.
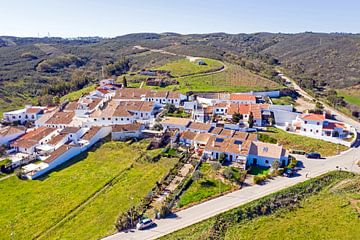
[37, 69]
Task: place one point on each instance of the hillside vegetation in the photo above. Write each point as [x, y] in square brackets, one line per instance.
[36, 69]
[322, 208]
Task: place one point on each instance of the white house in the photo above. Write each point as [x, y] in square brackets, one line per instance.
[264, 154]
[10, 133]
[126, 131]
[29, 113]
[28, 142]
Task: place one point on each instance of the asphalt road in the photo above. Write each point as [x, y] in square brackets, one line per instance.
[310, 168]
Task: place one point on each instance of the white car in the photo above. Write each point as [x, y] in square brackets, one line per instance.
[144, 223]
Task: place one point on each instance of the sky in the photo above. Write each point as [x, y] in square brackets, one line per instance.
[110, 18]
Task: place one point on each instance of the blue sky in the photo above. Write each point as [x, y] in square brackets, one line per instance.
[109, 18]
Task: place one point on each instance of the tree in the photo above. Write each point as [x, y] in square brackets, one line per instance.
[251, 120]
[124, 82]
[275, 165]
[197, 175]
[215, 166]
[236, 117]
[222, 158]
[170, 108]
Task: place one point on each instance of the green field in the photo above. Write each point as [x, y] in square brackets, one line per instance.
[30, 208]
[297, 142]
[73, 96]
[232, 79]
[329, 214]
[184, 67]
[285, 100]
[353, 99]
[208, 186]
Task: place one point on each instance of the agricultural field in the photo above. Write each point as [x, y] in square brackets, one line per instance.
[83, 199]
[209, 185]
[185, 67]
[351, 95]
[297, 142]
[328, 212]
[233, 79]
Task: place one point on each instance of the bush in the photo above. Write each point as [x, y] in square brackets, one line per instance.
[292, 162]
[258, 179]
[215, 166]
[197, 175]
[228, 173]
[266, 138]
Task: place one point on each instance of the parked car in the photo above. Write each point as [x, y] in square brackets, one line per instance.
[144, 223]
[314, 155]
[289, 172]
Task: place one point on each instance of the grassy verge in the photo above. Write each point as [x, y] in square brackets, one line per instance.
[209, 185]
[314, 209]
[183, 67]
[307, 144]
[256, 170]
[73, 96]
[353, 99]
[29, 208]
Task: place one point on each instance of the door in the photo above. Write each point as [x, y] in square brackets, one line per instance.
[254, 161]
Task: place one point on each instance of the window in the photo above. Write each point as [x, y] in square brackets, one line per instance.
[310, 130]
[116, 119]
[318, 123]
[122, 119]
[103, 118]
[317, 131]
[109, 119]
[304, 129]
[267, 161]
[305, 122]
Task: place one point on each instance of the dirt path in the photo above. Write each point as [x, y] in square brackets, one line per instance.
[7, 176]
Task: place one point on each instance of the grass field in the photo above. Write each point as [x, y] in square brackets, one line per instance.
[184, 67]
[297, 142]
[353, 99]
[256, 170]
[233, 79]
[73, 96]
[285, 100]
[329, 214]
[208, 186]
[30, 208]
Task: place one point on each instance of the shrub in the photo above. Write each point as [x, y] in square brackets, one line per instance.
[228, 173]
[258, 179]
[197, 175]
[215, 166]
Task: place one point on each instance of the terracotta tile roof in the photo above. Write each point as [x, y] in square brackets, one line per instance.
[57, 153]
[242, 97]
[199, 126]
[216, 143]
[220, 105]
[332, 125]
[94, 103]
[61, 118]
[173, 95]
[176, 121]
[157, 94]
[202, 137]
[70, 130]
[56, 139]
[269, 150]
[71, 106]
[91, 133]
[10, 130]
[33, 138]
[33, 110]
[103, 91]
[131, 93]
[188, 135]
[312, 117]
[216, 130]
[127, 127]
[226, 132]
